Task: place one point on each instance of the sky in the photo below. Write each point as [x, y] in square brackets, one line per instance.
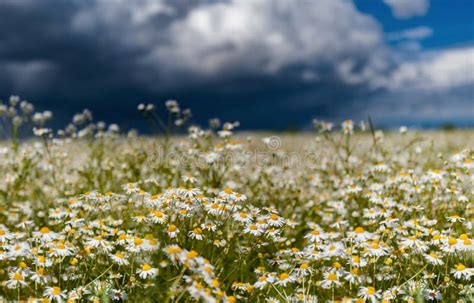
[270, 64]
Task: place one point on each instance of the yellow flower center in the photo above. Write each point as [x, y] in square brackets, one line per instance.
[17, 276]
[304, 266]
[174, 250]
[370, 290]
[332, 276]
[284, 276]
[192, 254]
[215, 282]
[460, 267]
[146, 267]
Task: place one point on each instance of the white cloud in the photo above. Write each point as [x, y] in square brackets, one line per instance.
[268, 36]
[128, 23]
[435, 71]
[437, 86]
[404, 9]
[417, 33]
[224, 39]
[171, 46]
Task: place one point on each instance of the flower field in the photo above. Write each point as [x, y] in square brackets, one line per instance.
[344, 213]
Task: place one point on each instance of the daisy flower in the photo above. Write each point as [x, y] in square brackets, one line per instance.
[150, 243]
[5, 235]
[16, 279]
[285, 278]
[119, 258]
[55, 293]
[315, 236]
[20, 249]
[434, 259]
[462, 272]
[417, 245]
[376, 249]
[357, 261]
[131, 188]
[455, 218]
[135, 245]
[253, 229]
[172, 231]
[188, 178]
[147, 271]
[360, 234]
[39, 276]
[158, 217]
[303, 270]
[209, 226]
[335, 249]
[173, 251]
[331, 279]
[100, 243]
[263, 280]
[242, 217]
[370, 294]
[196, 233]
[44, 234]
[42, 261]
[275, 220]
[62, 250]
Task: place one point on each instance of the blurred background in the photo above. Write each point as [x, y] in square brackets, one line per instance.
[270, 64]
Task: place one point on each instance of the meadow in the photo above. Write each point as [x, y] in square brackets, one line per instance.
[344, 213]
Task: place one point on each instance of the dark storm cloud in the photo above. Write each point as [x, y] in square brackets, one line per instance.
[268, 64]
